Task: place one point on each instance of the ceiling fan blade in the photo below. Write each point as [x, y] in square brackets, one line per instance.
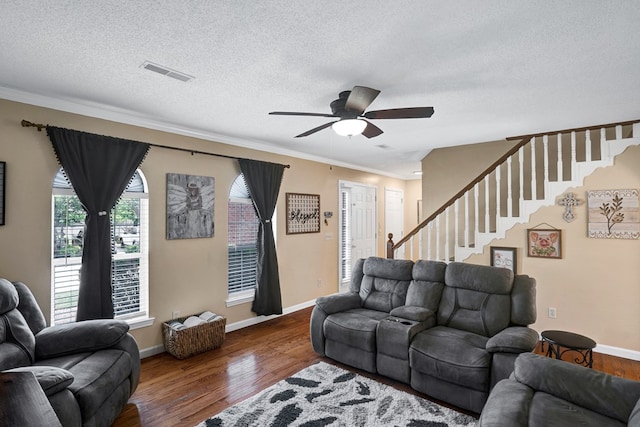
[296, 113]
[360, 98]
[314, 130]
[401, 113]
[371, 131]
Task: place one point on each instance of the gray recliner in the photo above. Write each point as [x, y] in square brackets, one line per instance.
[88, 370]
[550, 392]
[482, 325]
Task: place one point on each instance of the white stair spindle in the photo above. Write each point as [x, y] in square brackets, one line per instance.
[446, 234]
[534, 177]
[604, 151]
[545, 159]
[498, 200]
[456, 224]
[410, 248]
[486, 205]
[476, 213]
[619, 132]
[587, 143]
[466, 219]
[574, 160]
[559, 163]
[429, 228]
[420, 241]
[509, 189]
[438, 237]
[521, 178]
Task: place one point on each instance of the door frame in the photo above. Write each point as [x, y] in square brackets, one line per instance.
[342, 184]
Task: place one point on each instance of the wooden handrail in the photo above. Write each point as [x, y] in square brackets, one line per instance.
[524, 140]
[608, 125]
[460, 193]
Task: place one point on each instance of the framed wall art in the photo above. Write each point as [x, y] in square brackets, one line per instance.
[504, 257]
[613, 214]
[544, 243]
[3, 172]
[190, 201]
[303, 213]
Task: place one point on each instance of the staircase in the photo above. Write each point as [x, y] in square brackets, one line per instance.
[533, 174]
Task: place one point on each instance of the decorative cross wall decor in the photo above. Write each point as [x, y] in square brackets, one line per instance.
[569, 200]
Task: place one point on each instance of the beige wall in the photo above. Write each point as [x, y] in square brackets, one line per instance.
[595, 287]
[186, 275]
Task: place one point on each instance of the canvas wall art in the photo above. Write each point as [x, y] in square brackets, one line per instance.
[613, 214]
[190, 201]
[504, 257]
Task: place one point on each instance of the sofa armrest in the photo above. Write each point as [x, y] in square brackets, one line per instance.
[606, 394]
[51, 379]
[514, 339]
[70, 338]
[415, 313]
[339, 302]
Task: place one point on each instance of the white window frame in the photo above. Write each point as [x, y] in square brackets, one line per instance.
[140, 318]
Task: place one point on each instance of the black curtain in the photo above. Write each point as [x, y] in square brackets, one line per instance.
[99, 168]
[263, 182]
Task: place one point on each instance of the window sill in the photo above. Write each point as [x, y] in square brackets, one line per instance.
[240, 298]
[140, 322]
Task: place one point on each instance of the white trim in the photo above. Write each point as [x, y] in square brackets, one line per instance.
[157, 349]
[140, 322]
[129, 117]
[242, 297]
[618, 352]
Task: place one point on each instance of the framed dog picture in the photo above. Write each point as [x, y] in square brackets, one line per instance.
[544, 243]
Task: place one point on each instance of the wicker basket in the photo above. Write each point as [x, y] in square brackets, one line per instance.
[195, 340]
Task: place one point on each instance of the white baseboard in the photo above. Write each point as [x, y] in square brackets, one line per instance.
[157, 349]
[617, 351]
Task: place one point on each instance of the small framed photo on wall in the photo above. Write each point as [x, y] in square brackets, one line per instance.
[544, 243]
[504, 257]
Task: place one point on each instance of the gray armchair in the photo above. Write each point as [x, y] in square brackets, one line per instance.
[88, 370]
[551, 392]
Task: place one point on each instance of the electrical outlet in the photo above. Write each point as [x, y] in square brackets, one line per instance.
[175, 314]
[552, 312]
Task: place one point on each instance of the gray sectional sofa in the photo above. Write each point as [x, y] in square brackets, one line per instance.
[88, 370]
[451, 331]
[550, 392]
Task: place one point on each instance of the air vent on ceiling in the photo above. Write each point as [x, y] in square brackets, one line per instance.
[161, 69]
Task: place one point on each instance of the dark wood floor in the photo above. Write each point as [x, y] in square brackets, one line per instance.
[185, 392]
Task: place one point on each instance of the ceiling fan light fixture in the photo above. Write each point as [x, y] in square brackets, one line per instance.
[349, 127]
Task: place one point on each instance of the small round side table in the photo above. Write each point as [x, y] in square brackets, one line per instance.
[570, 342]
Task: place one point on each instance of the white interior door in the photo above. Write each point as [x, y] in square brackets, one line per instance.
[394, 216]
[357, 226]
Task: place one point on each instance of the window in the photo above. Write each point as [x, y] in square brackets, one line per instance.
[242, 243]
[345, 238]
[129, 247]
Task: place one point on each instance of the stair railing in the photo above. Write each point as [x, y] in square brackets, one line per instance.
[536, 169]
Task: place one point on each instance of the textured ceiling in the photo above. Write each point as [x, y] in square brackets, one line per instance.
[491, 69]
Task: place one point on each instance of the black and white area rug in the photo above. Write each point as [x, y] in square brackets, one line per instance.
[325, 395]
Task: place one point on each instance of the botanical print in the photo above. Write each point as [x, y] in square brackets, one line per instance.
[613, 214]
[190, 201]
[544, 243]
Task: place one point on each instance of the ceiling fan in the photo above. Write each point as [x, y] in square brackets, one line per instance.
[349, 109]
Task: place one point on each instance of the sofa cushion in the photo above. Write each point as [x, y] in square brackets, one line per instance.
[426, 287]
[356, 328]
[9, 295]
[89, 335]
[385, 283]
[51, 379]
[547, 410]
[584, 388]
[452, 355]
[96, 375]
[476, 298]
[29, 308]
